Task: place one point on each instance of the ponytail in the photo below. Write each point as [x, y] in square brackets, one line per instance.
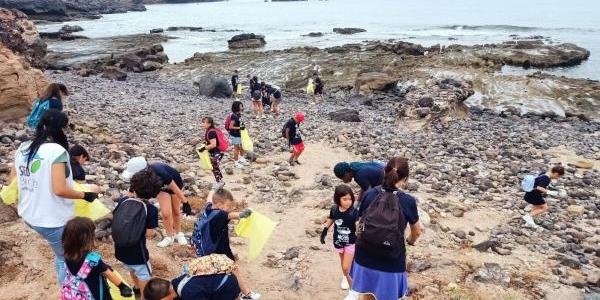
[395, 171]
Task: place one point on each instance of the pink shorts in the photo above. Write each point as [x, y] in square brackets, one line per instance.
[346, 250]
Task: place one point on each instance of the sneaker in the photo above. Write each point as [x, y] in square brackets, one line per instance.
[352, 295]
[218, 185]
[238, 165]
[251, 295]
[345, 285]
[181, 240]
[291, 162]
[528, 219]
[297, 162]
[166, 242]
[244, 161]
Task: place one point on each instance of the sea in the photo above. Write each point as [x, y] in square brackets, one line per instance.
[426, 22]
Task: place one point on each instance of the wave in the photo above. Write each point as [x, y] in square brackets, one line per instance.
[504, 28]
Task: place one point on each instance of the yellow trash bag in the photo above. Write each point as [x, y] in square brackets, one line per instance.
[94, 210]
[247, 144]
[238, 89]
[257, 228]
[10, 193]
[114, 290]
[205, 163]
[310, 88]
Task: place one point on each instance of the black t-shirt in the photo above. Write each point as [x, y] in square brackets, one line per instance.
[536, 196]
[234, 81]
[54, 103]
[236, 121]
[344, 230]
[408, 204]
[167, 174]
[210, 135]
[219, 231]
[294, 134]
[206, 287]
[94, 278]
[138, 254]
[78, 171]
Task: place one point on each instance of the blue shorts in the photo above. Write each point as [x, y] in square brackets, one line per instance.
[236, 140]
[141, 271]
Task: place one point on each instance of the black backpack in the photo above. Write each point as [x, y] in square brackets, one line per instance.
[382, 226]
[129, 222]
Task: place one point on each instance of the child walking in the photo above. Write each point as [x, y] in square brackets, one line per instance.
[235, 125]
[344, 216]
[221, 203]
[212, 145]
[291, 131]
[540, 188]
[83, 263]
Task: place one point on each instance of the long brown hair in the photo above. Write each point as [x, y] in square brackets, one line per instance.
[395, 170]
[53, 91]
[78, 238]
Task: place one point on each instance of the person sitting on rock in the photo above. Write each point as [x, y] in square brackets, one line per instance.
[536, 196]
[291, 132]
[365, 174]
[79, 156]
[170, 197]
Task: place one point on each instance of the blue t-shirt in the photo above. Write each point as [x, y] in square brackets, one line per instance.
[55, 103]
[536, 196]
[408, 205]
[138, 254]
[369, 175]
[219, 231]
[167, 174]
[206, 287]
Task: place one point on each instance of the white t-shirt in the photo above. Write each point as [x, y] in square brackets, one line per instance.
[38, 205]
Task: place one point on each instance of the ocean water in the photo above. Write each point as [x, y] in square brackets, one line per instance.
[425, 22]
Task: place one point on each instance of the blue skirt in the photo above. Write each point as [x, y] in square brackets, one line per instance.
[382, 285]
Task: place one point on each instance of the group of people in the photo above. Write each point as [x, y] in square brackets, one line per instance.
[368, 229]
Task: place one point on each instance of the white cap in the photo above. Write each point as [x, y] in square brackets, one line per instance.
[134, 165]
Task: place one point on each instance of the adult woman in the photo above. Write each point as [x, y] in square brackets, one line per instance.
[55, 93]
[383, 273]
[365, 174]
[45, 180]
[170, 197]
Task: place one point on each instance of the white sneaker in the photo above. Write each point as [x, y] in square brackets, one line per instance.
[166, 242]
[352, 295]
[218, 185]
[243, 162]
[251, 295]
[181, 240]
[238, 165]
[530, 222]
[345, 285]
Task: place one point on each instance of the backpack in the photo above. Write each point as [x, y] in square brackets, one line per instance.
[74, 287]
[222, 142]
[382, 226]
[201, 239]
[39, 107]
[129, 222]
[528, 183]
[228, 121]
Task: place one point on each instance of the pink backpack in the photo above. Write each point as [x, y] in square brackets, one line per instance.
[74, 287]
[228, 121]
[222, 142]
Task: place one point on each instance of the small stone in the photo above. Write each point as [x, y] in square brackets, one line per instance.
[460, 234]
[292, 253]
[576, 209]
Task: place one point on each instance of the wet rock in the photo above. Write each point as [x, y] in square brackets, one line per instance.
[212, 86]
[113, 73]
[157, 30]
[151, 66]
[247, 41]
[345, 115]
[492, 273]
[348, 30]
[314, 34]
[374, 81]
[71, 28]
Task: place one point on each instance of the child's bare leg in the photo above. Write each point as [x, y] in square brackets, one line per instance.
[242, 281]
[346, 260]
[164, 199]
[538, 209]
[134, 280]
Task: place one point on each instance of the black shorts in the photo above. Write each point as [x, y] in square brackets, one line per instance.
[535, 200]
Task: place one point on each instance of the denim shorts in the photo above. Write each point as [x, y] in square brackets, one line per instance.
[236, 140]
[142, 272]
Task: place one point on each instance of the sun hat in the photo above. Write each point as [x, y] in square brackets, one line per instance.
[134, 165]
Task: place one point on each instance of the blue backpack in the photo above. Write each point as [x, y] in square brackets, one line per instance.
[528, 183]
[201, 239]
[39, 107]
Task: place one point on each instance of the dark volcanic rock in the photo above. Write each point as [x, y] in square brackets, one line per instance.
[71, 28]
[113, 73]
[247, 40]
[345, 115]
[348, 30]
[157, 30]
[374, 81]
[212, 86]
[314, 34]
[61, 10]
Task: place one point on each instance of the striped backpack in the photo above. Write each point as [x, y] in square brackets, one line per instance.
[74, 287]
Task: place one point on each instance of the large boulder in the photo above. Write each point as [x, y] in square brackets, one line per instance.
[374, 81]
[21, 36]
[71, 28]
[113, 73]
[20, 84]
[345, 115]
[212, 86]
[247, 41]
[61, 10]
[349, 30]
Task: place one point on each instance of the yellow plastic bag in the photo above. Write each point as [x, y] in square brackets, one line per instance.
[310, 88]
[114, 290]
[239, 89]
[247, 144]
[205, 163]
[257, 228]
[94, 210]
[10, 193]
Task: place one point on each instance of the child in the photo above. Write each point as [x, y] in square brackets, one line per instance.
[212, 145]
[79, 156]
[236, 124]
[292, 134]
[540, 187]
[222, 202]
[144, 185]
[275, 94]
[234, 83]
[344, 216]
[78, 242]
